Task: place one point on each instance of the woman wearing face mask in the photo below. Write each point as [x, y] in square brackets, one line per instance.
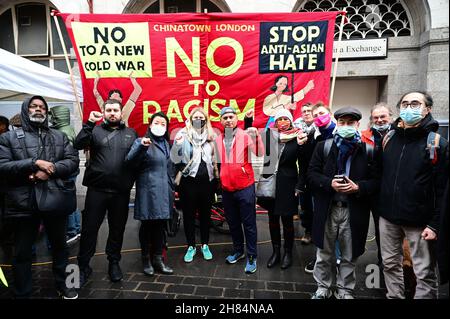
[283, 147]
[193, 154]
[154, 191]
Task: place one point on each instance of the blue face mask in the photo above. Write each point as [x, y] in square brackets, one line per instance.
[411, 116]
[346, 131]
[381, 128]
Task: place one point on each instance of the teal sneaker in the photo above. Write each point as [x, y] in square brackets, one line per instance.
[206, 252]
[232, 259]
[250, 267]
[190, 253]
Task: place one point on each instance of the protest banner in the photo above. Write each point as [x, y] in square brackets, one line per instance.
[175, 62]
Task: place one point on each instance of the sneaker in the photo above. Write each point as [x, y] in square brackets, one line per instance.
[232, 259]
[206, 252]
[190, 253]
[309, 268]
[346, 295]
[338, 261]
[68, 293]
[322, 294]
[72, 238]
[306, 239]
[250, 267]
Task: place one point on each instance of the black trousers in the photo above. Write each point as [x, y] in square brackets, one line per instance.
[196, 196]
[376, 222]
[307, 211]
[288, 230]
[25, 233]
[152, 237]
[97, 205]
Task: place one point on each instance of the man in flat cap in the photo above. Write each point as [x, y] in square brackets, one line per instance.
[238, 185]
[342, 176]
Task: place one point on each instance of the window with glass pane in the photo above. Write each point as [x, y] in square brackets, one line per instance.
[174, 6]
[57, 47]
[154, 8]
[32, 29]
[61, 65]
[211, 7]
[6, 32]
[43, 62]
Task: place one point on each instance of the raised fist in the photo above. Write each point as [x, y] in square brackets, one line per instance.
[95, 116]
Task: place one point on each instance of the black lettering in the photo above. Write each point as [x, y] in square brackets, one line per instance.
[98, 33]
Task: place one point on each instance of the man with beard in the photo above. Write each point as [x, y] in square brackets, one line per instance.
[30, 158]
[109, 182]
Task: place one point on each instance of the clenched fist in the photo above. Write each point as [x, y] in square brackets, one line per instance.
[95, 116]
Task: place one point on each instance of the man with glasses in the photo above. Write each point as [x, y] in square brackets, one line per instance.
[380, 125]
[412, 188]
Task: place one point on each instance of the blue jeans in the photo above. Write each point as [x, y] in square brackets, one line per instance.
[73, 224]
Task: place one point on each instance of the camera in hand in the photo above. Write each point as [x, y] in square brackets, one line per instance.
[342, 179]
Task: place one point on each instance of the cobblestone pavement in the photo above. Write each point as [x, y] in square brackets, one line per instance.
[200, 279]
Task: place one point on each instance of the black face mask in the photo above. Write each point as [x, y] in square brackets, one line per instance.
[198, 124]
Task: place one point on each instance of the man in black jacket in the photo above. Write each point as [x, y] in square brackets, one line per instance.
[412, 187]
[31, 158]
[341, 203]
[109, 183]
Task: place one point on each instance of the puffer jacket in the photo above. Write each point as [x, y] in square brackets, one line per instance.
[40, 142]
[412, 186]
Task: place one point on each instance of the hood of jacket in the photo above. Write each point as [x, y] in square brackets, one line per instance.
[27, 125]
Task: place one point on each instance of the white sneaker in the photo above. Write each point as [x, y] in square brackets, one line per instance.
[322, 294]
[345, 295]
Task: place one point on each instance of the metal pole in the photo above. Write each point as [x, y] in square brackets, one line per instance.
[333, 81]
[72, 79]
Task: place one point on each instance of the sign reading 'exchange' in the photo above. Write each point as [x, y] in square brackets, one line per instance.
[358, 49]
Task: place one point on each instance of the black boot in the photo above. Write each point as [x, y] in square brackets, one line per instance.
[159, 265]
[147, 266]
[114, 271]
[275, 258]
[287, 258]
[85, 272]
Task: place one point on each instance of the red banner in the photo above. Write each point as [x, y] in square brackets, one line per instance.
[175, 62]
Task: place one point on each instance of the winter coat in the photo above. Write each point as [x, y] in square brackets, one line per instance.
[285, 202]
[412, 186]
[154, 184]
[40, 142]
[363, 171]
[107, 170]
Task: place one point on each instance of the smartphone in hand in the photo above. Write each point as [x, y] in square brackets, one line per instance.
[342, 179]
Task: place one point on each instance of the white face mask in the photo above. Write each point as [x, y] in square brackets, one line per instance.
[158, 130]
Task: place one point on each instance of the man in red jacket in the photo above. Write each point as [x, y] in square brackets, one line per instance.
[238, 185]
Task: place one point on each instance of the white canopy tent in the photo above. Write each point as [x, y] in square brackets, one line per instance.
[18, 74]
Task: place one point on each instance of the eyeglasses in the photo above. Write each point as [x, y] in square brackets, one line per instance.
[412, 104]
